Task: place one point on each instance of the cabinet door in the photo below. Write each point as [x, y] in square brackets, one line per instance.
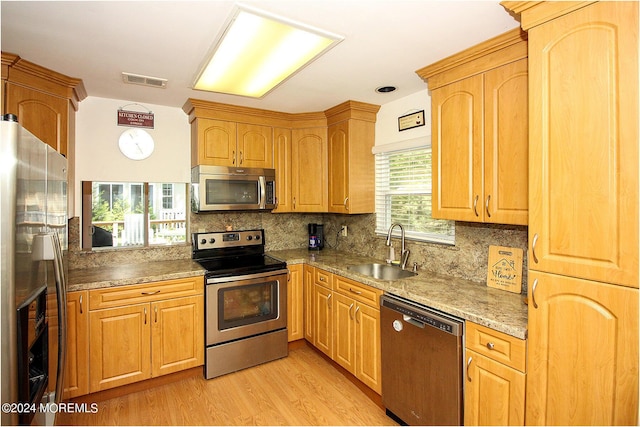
[494, 393]
[309, 170]
[457, 170]
[282, 164]
[338, 163]
[76, 382]
[583, 352]
[368, 352]
[583, 119]
[215, 144]
[323, 321]
[506, 144]
[120, 343]
[344, 332]
[309, 305]
[295, 303]
[177, 334]
[46, 116]
[255, 146]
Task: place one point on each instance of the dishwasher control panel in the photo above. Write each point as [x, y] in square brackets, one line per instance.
[422, 315]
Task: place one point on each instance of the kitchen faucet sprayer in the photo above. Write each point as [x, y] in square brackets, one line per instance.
[404, 255]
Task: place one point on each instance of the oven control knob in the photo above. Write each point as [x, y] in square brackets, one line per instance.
[212, 240]
[249, 238]
[203, 241]
[257, 237]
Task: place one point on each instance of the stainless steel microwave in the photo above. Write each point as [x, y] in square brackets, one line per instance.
[222, 188]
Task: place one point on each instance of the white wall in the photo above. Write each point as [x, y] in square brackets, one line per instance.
[387, 121]
[98, 157]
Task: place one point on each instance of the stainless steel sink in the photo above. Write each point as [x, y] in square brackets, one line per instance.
[381, 271]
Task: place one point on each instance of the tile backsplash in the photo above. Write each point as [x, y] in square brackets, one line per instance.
[466, 259]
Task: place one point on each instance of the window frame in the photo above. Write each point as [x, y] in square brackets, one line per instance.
[87, 214]
[384, 190]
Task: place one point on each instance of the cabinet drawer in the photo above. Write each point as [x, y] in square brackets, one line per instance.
[496, 345]
[358, 291]
[322, 278]
[147, 292]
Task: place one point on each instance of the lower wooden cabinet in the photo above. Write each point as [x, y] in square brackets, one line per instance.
[76, 380]
[307, 294]
[295, 303]
[495, 378]
[345, 321]
[120, 335]
[583, 355]
[120, 346]
[323, 318]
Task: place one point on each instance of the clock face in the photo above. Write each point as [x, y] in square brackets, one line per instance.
[136, 144]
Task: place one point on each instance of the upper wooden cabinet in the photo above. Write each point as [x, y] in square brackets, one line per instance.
[479, 132]
[309, 170]
[44, 101]
[583, 70]
[323, 160]
[221, 143]
[351, 135]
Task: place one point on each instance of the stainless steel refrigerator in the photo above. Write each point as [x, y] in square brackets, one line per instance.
[33, 237]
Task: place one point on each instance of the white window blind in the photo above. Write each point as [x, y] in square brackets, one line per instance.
[403, 195]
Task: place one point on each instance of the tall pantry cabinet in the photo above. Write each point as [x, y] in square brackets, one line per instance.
[583, 212]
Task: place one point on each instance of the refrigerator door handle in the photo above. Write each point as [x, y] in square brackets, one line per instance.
[61, 290]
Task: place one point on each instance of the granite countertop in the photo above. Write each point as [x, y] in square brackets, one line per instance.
[497, 309]
[131, 274]
[500, 310]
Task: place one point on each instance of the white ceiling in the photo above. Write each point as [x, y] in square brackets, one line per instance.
[385, 42]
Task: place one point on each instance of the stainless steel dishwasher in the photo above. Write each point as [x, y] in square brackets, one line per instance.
[421, 363]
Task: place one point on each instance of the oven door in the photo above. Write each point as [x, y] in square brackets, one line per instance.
[240, 307]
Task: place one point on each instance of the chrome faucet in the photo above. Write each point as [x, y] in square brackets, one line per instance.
[404, 255]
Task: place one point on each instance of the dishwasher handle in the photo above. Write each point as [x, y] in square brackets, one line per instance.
[421, 316]
[413, 321]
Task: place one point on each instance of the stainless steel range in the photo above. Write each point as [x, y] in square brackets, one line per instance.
[245, 301]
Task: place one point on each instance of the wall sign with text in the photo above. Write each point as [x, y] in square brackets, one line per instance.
[410, 121]
[135, 119]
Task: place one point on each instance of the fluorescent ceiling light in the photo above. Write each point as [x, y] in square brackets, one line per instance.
[258, 51]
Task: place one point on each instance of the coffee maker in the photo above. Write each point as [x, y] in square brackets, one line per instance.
[316, 236]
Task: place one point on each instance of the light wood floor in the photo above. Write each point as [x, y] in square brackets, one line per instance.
[302, 389]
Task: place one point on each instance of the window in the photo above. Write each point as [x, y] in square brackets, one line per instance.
[133, 214]
[403, 195]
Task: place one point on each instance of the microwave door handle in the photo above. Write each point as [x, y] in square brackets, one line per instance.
[262, 197]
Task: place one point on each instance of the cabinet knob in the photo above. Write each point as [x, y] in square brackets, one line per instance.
[490, 345]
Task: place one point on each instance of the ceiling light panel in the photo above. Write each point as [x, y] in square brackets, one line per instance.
[257, 51]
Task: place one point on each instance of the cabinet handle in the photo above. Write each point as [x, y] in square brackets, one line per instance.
[490, 345]
[155, 312]
[346, 199]
[357, 309]
[150, 293]
[294, 203]
[145, 315]
[233, 160]
[468, 366]
[241, 158]
[486, 206]
[533, 248]
[355, 292]
[475, 205]
[533, 293]
[81, 310]
[329, 301]
[350, 308]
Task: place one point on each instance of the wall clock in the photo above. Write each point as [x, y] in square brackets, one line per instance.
[136, 144]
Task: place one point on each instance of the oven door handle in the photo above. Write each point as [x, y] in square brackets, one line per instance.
[214, 280]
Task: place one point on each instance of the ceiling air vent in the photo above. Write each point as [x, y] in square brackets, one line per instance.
[137, 79]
